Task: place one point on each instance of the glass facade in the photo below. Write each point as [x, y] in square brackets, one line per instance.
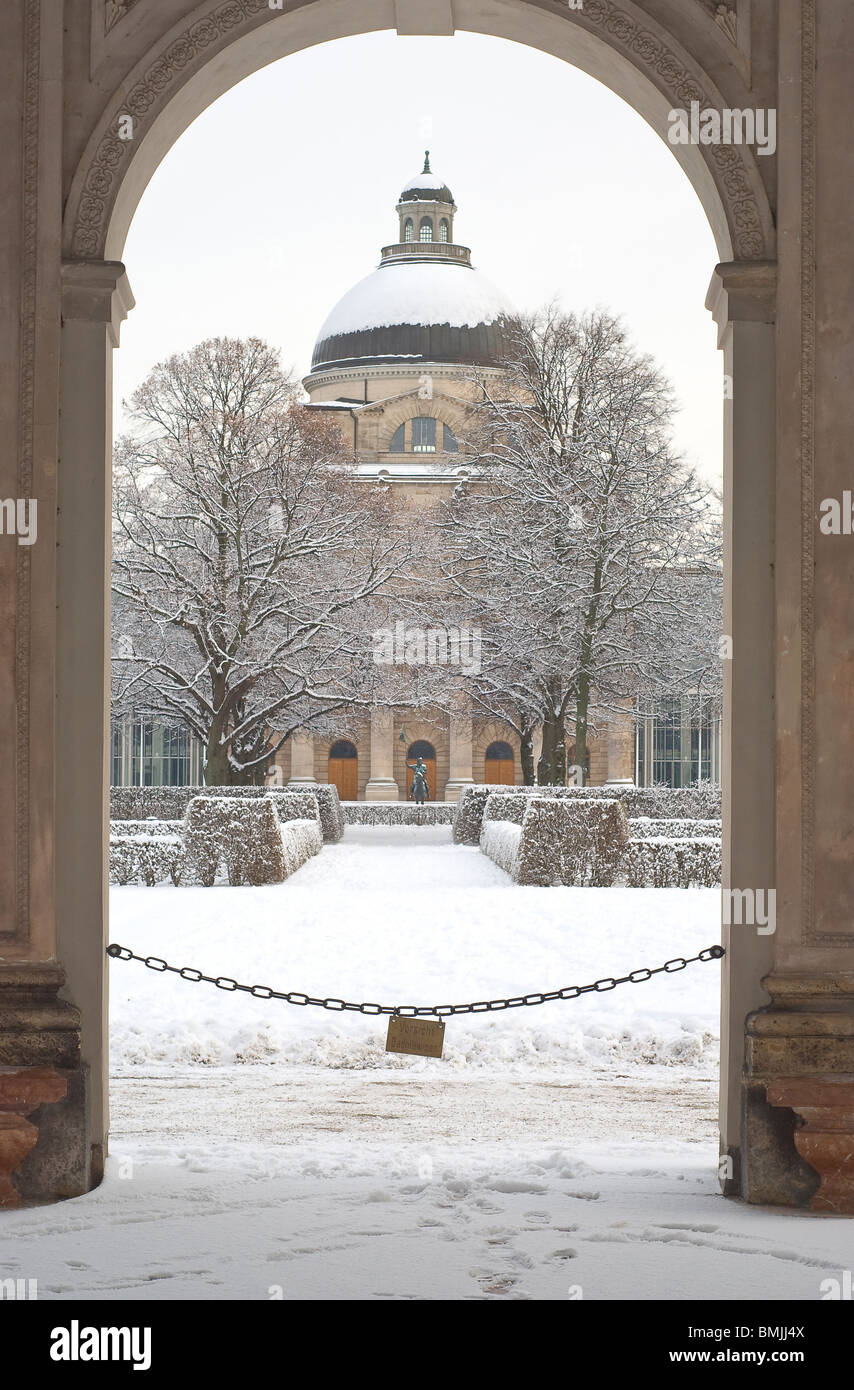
[678, 742]
[149, 753]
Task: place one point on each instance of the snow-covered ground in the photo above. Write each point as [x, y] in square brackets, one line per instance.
[562, 1152]
[401, 915]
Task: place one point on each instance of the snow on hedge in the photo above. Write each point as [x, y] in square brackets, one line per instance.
[241, 834]
[331, 817]
[300, 805]
[146, 859]
[301, 840]
[152, 828]
[170, 803]
[398, 813]
[510, 806]
[500, 840]
[578, 842]
[662, 862]
[646, 828]
[701, 802]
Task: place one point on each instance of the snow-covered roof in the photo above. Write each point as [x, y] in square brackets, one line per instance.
[421, 293]
[424, 181]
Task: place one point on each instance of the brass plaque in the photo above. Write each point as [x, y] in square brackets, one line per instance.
[420, 1037]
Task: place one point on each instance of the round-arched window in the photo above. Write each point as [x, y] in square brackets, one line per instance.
[408, 230]
[343, 749]
[443, 229]
[426, 231]
[421, 749]
[499, 749]
[424, 434]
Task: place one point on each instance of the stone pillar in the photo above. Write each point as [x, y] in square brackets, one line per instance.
[302, 759]
[621, 748]
[95, 299]
[381, 785]
[800, 1049]
[742, 298]
[460, 771]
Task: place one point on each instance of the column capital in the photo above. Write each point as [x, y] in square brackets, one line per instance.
[742, 292]
[97, 292]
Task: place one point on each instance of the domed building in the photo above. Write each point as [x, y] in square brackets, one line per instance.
[396, 356]
[397, 363]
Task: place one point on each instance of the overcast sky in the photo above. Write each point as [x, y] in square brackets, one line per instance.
[279, 197]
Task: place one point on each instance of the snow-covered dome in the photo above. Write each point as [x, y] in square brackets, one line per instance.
[426, 187]
[440, 310]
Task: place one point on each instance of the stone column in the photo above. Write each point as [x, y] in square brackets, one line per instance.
[95, 299]
[621, 748]
[302, 759]
[800, 1048]
[460, 772]
[381, 785]
[742, 298]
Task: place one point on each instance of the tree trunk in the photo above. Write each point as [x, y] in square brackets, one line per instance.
[217, 767]
[582, 707]
[526, 757]
[551, 767]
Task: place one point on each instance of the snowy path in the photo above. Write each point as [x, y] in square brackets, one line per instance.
[557, 1152]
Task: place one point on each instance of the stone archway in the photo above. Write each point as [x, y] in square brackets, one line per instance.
[132, 78]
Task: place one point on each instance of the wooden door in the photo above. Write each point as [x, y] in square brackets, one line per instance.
[500, 772]
[343, 773]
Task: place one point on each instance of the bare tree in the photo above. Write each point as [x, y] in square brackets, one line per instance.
[247, 553]
[577, 527]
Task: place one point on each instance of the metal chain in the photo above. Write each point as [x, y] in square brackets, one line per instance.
[482, 1006]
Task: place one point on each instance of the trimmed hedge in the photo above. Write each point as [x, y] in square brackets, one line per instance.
[170, 803]
[645, 828]
[243, 834]
[146, 859]
[397, 813]
[702, 802]
[670, 863]
[578, 842]
[507, 806]
[500, 840]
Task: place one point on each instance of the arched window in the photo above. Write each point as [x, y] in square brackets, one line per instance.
[449, 440]
[499, 749]
[443, 229]
[397, 444]
[426, 233]
[424, 434]
[343, 749]
[408, 230]
[420, 749]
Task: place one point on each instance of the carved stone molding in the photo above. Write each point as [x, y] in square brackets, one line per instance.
[114, 10]
[26, 403]
[157, 78]
[807, 451]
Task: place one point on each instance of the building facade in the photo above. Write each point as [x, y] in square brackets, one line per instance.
[396, 364]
